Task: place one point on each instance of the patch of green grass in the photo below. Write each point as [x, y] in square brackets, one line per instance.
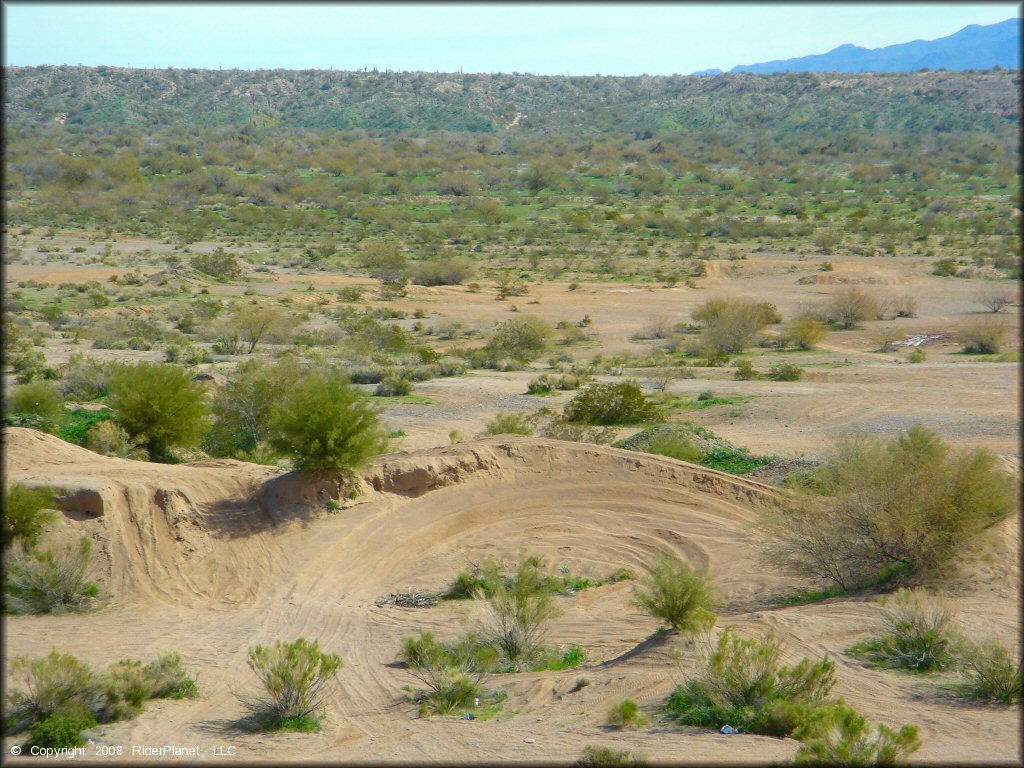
[812, 596]
[270, 724]
[76, 423]
[571, 659]
[693, 404]
[410, 400]
[735, 461]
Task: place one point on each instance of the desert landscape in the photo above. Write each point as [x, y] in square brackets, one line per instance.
[384, 389]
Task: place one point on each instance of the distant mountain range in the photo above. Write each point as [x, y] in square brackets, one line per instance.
[973, 47]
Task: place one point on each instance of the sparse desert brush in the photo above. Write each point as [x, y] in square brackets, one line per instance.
[84, 378]
[610, 404]
[295, 677]
[988, 673]
[851, 305]
[626, 714]
[745, 371]
[522, 338]
[741, 682]
[393, 386]
[920, 634]
[996, 299]
[110, 438]
[322, 423]
[518, 613]
[675, 445]
[785, 372]
[51, 581]
[443, 271]
[605, 757]
[731, 325]
[677, 594]
[27, 511]
[847, 739]
[983, 337]
[160, 404]
[219, 264]
[39, 398]
[804, 333]
[890, 508]
[55, 684]
[509, 424]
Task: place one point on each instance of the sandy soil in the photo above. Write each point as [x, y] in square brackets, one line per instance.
[211, 558]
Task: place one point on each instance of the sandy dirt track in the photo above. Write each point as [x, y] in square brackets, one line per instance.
[212, 558]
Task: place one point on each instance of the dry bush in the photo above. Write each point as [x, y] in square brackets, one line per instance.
[804, 333]
[54, 581]
[984, 337]
[594, 756]
[851, 305]
[907, 506]
[110, 439]
[996, 299]
[904, 306]
[731, 325]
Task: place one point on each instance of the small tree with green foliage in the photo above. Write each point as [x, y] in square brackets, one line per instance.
[615, 403]
[160, 404]
[676, 593]
[40, 398]
[323, 423]
[26, 513]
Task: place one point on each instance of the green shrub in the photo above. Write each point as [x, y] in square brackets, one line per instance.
[919, 634]
[55, 684]
[675, 445]
[76, 423]
[626, 714]
[989, 674]
[785, 372]
[606, 757]
[159, 404]
[40, 398]
[447, 688]
[509, 424]
[166, 678]
[909, 505]
[393, 387]
[454, 271]
[676, 593]
[26, 513]
[804, 333]
[221, 265]
[848, 740]
[522, 338]
[323, 423]
[54, 581]
[563, 429]
[243, 406]
[518, 612]
[125, 689]
[945, 268]
[615, 403]
[59, 731]
[744, 371]
[917, 355]
[295, 677]
[743, 684]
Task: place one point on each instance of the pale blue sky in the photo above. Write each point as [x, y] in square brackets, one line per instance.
[542, 38]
